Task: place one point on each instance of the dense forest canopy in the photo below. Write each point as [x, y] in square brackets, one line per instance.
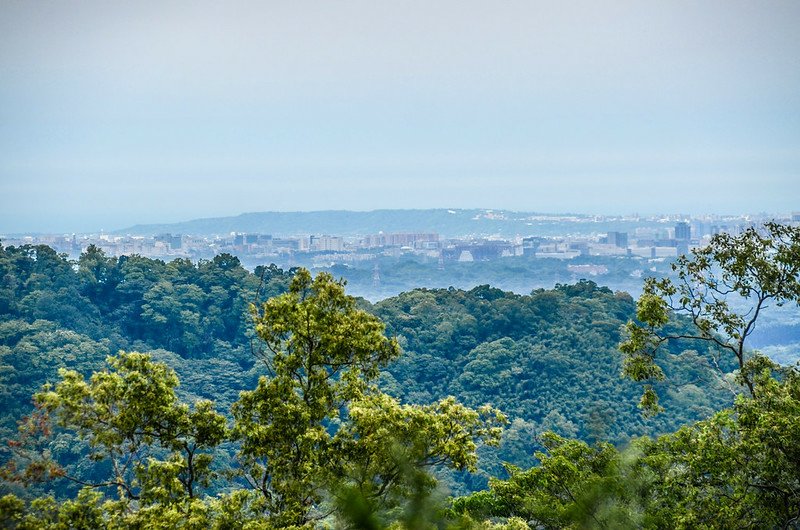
[547, 359]
[274, 399]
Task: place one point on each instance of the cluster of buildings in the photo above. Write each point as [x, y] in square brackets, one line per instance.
[249, 245]
[643, 242]
[664, 240]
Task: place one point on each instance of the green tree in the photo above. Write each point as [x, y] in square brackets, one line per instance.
[318, 421]
[738, 469]
[159, 450]
[574, 486]
[322, 352]
[99, 276]
[758, 267]
[386, 450]
[173, 316]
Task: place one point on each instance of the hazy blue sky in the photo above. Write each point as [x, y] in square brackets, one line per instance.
[116, 113]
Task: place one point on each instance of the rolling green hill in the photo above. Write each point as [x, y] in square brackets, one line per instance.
[549, 359]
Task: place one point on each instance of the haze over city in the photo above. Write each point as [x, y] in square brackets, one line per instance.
[118, 114]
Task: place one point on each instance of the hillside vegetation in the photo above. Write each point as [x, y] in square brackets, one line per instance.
[274, 400]
[548, 360]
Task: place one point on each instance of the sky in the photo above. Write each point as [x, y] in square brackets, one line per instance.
[117, 113]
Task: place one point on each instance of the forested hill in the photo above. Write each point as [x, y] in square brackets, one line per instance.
[548, 359]
[55, 313]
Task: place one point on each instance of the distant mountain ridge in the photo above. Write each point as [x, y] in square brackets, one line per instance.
[446, 222]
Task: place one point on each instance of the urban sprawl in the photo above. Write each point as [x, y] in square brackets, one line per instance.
[673, 235]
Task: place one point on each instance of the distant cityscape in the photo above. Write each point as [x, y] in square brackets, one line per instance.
[669, 237]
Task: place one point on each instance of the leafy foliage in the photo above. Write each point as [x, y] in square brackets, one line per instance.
[548, 360]
[574, 485]
[736, 469]
[322, 354]
[315, 441]
[129, 415]
[316, 424]
[760, 266]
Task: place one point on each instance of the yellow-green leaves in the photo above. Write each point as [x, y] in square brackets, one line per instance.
[649, 402]
[129, 413]
[652, 309]
[443, 433]
[317, 424]
[315, 427]
[574, 486]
